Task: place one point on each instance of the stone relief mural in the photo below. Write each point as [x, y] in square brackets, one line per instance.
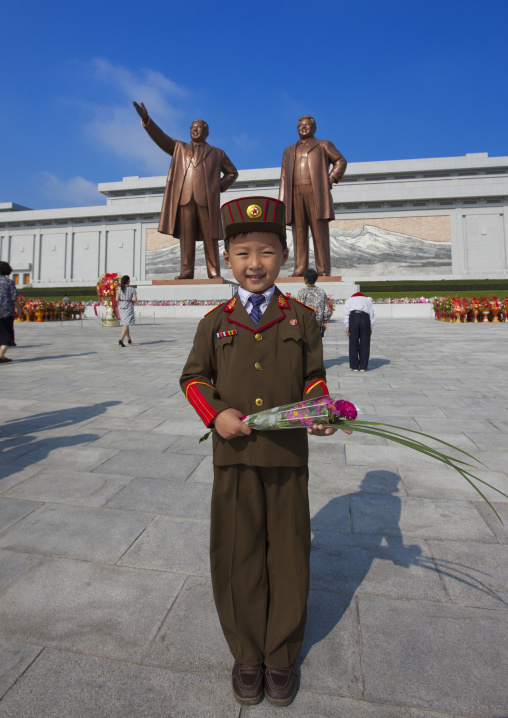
[359, 247]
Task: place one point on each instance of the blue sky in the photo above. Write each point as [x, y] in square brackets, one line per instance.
[385, 79]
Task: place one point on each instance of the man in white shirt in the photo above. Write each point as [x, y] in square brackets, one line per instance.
[359, 319]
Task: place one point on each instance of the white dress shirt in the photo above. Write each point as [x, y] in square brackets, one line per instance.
[245, 296]
[361, 304]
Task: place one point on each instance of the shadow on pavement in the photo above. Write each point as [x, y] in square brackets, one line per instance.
[373, 363]
[322, 619]
[19, 448]
[57, 356]
[157, 341]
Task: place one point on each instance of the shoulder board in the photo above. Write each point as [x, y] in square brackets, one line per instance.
[303, 305]
[230, 305]
[212, 309]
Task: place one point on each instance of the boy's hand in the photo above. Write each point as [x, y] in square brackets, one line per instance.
[320, 430]
[229, 426]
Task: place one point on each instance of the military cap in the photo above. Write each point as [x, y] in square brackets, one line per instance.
[253, 214]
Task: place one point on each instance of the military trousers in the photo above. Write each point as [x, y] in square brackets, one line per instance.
[194, 226]
[259, 555]
[304, 216]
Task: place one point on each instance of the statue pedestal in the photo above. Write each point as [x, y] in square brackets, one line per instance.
[179, 282]
[333, 286]
[217, 288]
[221, 289]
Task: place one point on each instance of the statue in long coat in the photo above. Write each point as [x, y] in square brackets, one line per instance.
[305, 183]
[191, 206]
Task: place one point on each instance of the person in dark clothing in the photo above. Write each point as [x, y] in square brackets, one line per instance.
[9, 305]
[359, 319]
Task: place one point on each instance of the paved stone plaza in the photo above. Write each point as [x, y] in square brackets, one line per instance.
[105, 600]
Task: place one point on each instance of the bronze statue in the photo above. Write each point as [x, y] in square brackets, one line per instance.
[190, 209]
[305, 184]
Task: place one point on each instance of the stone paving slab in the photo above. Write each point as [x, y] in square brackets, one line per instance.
[373, 566]
[79, 488]
[436, 426]
[134, 440]
[13, 564]
[188, 425]
[473, 574]
[172, 543]
[75, 686]
[394, 409]
[329, 512]
[330, 658]
[51, 453]
[328, 478]
[405, 422]
[12, 510]
[88, 607]
[156, 465]
[190, 444]
[15, 658]
[494, 459]
[12, 476]
[401, 641]
[191, 637]
[422, 518]
[321, 705]
[76, 532]
[446, 483]
[170, 498]
[500, 530]
[327, 451]
[392, 455]
[122, 424]
[203, 473]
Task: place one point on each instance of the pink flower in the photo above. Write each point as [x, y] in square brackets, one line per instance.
[345, 409]
[294, 415]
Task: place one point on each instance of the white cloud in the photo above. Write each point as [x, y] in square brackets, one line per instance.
[147, 85]
[116, 126]
[76, 191]
[245, 142]
[119, 133]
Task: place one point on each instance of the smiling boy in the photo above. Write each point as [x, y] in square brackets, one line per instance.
[259, 350]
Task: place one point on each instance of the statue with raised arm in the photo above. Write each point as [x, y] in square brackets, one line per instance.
[305, 184]
[191, 204]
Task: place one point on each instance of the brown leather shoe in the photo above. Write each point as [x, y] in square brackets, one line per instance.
[281, 685]
[247, 683]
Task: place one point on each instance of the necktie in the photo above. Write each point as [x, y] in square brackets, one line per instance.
[257, 300]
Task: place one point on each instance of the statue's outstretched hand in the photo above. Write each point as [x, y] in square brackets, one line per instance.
[141, 110]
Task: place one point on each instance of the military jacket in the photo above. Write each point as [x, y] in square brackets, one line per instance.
[236, 364]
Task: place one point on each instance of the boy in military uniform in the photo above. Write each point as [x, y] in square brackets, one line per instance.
[256, 351]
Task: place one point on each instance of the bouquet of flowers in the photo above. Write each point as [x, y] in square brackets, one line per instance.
[335, 411]
[107, 286]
